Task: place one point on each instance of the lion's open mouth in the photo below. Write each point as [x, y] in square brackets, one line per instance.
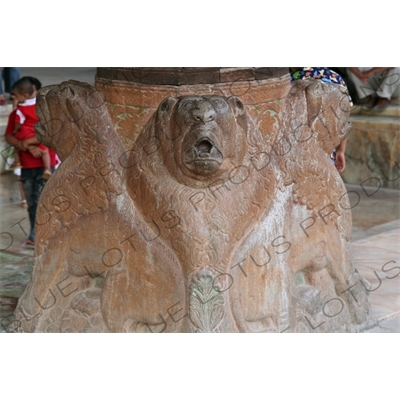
[204, 148]
[203, 152]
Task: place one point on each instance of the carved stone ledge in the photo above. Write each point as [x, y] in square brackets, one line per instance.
[188, 76]
[131, 102]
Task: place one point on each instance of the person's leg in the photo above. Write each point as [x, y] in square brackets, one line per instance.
[27, 182]
[388, 83]
[22, 194]
[47, 166]
[363, 89]
[17, 162]
[33, 185]
[39, 184]
[15, 75]
[11, 75]
[3, 100]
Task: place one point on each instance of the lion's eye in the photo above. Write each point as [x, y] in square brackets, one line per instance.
[219, 103]
[188, 104]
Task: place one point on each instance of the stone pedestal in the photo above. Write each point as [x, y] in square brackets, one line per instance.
[193, 200]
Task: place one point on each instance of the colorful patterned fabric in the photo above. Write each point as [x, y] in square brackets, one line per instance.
[323, 73]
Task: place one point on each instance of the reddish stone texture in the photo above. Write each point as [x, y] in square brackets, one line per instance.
[237, 74]
[139, 101]
[161, 76]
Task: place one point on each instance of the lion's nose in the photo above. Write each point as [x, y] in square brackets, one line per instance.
[204, 113]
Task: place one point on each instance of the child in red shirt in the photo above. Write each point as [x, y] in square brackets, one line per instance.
[25, 119]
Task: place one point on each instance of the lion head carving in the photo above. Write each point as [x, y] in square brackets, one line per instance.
[200, 138]
[65, 111]
[195, 164]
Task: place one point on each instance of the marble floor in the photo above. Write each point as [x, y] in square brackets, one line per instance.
[376, 252]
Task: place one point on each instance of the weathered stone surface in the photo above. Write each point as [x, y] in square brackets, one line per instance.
[207, 224]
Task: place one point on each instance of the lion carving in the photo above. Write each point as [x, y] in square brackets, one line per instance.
[202, 227]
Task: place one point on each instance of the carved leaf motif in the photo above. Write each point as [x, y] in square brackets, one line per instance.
[206, 303]
[52, 322]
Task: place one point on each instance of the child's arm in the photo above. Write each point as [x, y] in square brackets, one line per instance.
[29, 143]
[340, 160]
[22, 145]
[13, 141]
